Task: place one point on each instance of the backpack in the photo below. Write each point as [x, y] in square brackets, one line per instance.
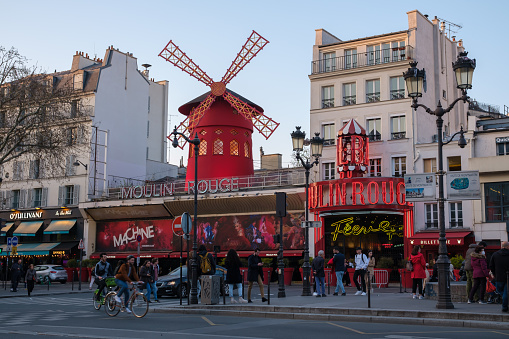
[409, 266]
[205, 265]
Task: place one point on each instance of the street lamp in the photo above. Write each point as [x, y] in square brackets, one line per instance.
[414, 78]
[298, 137]
[194, 264]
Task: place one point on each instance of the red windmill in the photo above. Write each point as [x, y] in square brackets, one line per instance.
[223, 119]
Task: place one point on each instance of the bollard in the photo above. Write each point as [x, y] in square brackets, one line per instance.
[48, 282]
[268, 288]
[328, 285]
[224, 290]
[369, 289]
[72, 281]
[243, 283]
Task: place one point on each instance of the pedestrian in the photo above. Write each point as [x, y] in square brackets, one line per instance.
[418, 274]
[16, 272]
[499, 266]
[126, 274]
[102, 270]
[480, 273]
[206, 264]
[155, 271]
[255, 274]
[318, 266]
[468, 267]
[338, 263]
[361, 263]
[30, 278]
[371, 270]
[233, 276]
[92, 278]
[146, 277]
[434, 274]
[346, 275]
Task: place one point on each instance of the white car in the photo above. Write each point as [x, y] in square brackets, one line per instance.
[54, 272]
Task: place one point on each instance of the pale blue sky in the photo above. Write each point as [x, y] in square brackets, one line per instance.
[212, 33]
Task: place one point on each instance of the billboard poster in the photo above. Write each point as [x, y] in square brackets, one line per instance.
[463, 185]
[420, 187]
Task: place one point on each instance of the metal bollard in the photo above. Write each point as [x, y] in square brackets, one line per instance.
[72, 281]
[328, 287]
[243, 283]
[369, 289]
[400, 283]
[268, 288]
[224, 290]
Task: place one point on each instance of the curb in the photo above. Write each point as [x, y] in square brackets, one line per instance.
[40, 294]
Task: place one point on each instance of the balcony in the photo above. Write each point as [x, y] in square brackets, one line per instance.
[366, 59]
[373, 97]
[329, 142]
[375, 136]
[349, 100]
[398, 135]
[454, 224]
[327, 103]
[432, 225]
[397, 94]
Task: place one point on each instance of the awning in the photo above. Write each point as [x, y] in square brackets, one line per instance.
[32, 249]
[431, 238]
[60, 226]
[65, 246]
[6, 228]
[28, 228]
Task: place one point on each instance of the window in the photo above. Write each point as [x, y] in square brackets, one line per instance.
[74, 108]
[430, 165]
[397, 88]
[36, 198]
[68, 195]
[431, 215]
[378, 54]
[350, 58]
[234, 147]
[398, 50]
[78, 81]
[372, 90]
[34, 170]
[375, 167]
[398, 166]
[203, 148]
[454, 163]
[444, 94]
[349, 94]
[15, 198]
[496, 197]
[329, 170]
[72, 136]
[502, 148]
[17, 170]
[149, 104]
[374, 129]
[456, 214]
[398, 127]
[247, 150]
[70, 169]
[327, 96]
[218, 147]
[329, 62]
[329, 134]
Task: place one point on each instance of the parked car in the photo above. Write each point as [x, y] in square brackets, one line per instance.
[54, 272]
[170, 284]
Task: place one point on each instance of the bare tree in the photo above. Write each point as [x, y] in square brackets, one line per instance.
[42, 116]
[304, 155]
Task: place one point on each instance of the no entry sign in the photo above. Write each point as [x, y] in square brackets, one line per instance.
[176, 226]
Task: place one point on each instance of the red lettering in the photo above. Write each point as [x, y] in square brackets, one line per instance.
[374, 185]
[391, 192]
[312, 197]
[359, 193]
[340, 194]
[400, 193]
[331, 194]
[320, 197]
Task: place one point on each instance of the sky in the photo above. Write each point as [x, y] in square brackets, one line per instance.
[49, 33]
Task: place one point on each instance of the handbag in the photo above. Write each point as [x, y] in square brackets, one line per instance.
[490, 287]
[409, 266]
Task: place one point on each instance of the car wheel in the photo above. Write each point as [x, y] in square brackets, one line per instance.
[182, 291]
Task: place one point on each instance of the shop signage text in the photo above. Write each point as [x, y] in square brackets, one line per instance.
[131, 233]
[347, 227]
[25, 215]
[424, 242]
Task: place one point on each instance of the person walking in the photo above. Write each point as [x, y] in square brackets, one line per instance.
[155, 276]
[92, 278]
[371, 270]
[468, 267]
[206, 264]
[255, 274]
[146, 277]
[233, 276]
[30, 278]
[418, 274]
[16, 272]
[338, 262]
[318, 266]
[499, 266]
[480, 273]
[361, 263]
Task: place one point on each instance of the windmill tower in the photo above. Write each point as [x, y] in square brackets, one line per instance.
[223, 119]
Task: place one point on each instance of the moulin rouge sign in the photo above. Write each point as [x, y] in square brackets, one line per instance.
[357, 192]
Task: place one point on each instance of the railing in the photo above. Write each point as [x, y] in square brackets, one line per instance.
[349, 100]
[327, 103]
[375, 137]
[397, 94]
[381, 278]
[481, 106]
[329, 142]
[373, 97]
[433, 224]
[398, 135]
[453, 224]
[362, 60]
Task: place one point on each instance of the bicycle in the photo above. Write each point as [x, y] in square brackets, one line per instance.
[110, 285]
[137, 302]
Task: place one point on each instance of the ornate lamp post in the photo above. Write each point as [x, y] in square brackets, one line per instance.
[298, 137]
[414, 78]
[194, 264]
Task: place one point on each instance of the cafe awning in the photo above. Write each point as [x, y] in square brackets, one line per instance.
[28, 228]
[6, 228]
[32, 249]
[60, 226]
[431, 238]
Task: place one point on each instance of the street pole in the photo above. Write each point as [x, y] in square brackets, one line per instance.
[79, 274]
[281, 264]
[306, 267]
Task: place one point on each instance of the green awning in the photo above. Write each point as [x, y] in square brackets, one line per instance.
[32, 249]
[28, 228]
[60, 226]
[6, 228]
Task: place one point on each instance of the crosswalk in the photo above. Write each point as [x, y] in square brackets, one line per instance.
[62, 300]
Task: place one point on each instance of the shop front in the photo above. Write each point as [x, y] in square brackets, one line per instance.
[457, 243]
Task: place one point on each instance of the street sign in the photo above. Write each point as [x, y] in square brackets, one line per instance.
[14, 241]
[81, 246]
[186, 223]
[9, 244]
[138, 238]
[311, 224]
[176, 226]
[14, 250]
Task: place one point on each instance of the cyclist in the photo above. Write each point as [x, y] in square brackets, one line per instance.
[126, 274]
[102, 271]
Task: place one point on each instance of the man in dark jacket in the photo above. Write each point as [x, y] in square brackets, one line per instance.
[319, 273]
[338, 262]
[16, 273]
[208, 262]
[499, 266]
[255, 274]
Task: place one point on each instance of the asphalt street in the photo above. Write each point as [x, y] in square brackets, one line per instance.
[72, 316]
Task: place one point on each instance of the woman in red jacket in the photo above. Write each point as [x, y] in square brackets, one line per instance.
[480, 273]
[419, 273]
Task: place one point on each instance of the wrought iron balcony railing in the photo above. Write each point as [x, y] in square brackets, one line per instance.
[397, 94]
[433, 224]
[327, 103]
[398, 135]
[375, 136]
[349, 100]
[373, 97]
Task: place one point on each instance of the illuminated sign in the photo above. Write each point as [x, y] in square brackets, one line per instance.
[59, 252]
[25, 215]
[365, 225]
[433, 242]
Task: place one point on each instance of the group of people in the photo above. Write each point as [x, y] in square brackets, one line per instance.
[17, 274]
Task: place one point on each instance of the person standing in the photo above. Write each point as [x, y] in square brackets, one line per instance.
[318, 267]
[361, 263]
[346, 275]
[499, 266]
[155, 276]
[371, 270]
[16, 272]
[480, 273]
[206, 264]
[338, 262]
[30, 278]
[146, 277]
[233, 276]
[418, 274]
[255, 274]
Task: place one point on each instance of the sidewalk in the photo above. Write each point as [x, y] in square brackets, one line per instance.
[54, 288]
[387, 305]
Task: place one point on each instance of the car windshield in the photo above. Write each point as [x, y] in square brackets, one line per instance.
[40, 268]
[58, 268]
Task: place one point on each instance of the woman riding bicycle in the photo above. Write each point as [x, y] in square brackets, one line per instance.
[126, 274]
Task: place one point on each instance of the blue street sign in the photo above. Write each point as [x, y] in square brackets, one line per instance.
[14, 241]
[9, 241]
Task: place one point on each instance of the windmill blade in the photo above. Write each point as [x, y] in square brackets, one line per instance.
[174, 55]
[184, 129]
[253, 45]
[198, 112]
[265, 125]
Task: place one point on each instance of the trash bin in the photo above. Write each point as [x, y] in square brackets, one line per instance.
[210, 289]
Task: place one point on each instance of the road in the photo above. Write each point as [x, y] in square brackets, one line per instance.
[72, 316]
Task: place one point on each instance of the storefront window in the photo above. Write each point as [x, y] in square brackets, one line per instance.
[496, 198]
